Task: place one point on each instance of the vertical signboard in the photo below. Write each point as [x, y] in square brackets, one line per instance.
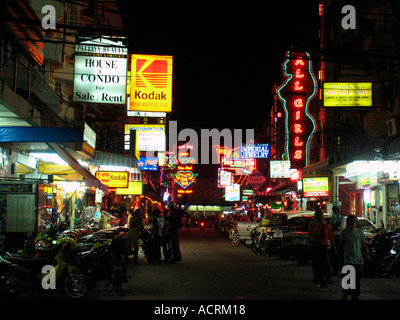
[151, 83]
[100, 71]
[296, 92]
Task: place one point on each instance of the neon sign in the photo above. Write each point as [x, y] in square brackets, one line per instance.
[296, 93]
[184, 176]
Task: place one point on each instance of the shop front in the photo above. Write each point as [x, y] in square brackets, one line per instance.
[370, 189]
[39, 192]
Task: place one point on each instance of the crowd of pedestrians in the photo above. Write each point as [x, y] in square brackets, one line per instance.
[165, 234]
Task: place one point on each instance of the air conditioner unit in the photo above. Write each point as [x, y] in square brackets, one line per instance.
[393, 127]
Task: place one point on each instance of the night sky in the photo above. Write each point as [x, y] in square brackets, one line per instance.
[227, 56]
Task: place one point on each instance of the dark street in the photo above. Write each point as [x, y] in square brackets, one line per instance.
[213, 269]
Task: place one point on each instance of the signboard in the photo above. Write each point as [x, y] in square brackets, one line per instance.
[134, 188]
[148, 163]
[149, 137]
[113, 179]
[225, 178]
[296, 92]
[316, 187]
[232, 192]
[241, 166]
[280, 169]
[256, 179]
[184, 176]
[100, 71]
[151, 83]
[347, 94]
[255, 150]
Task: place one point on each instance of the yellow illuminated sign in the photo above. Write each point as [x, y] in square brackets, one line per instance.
[134, 188]
[151, 83]
[113, 179]
[347, 94]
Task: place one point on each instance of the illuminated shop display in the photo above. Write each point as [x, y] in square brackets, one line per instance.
[149, 137]
[316, 187]
[296, 93]
[347, 94]
[151, 83]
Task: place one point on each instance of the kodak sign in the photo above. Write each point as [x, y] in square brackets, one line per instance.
[151, 83]
[113, 179]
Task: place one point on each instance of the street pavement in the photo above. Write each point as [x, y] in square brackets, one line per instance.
[213, 269]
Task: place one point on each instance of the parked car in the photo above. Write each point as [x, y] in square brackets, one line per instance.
[297, 242]
[242, 232]
[273, 239]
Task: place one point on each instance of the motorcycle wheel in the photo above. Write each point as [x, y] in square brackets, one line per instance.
[235, 240]
[75, 286]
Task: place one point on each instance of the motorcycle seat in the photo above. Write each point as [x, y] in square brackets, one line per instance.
[26, 261]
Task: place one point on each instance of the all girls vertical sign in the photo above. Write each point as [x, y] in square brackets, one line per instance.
[296, 93]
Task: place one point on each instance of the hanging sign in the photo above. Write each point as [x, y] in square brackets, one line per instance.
[295, 93]
[347, 94]
[151, 83]
[100, 71]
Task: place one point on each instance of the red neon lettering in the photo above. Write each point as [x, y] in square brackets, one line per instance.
[297, 142]
[298, 74]
[298, 154]
[298, 103]
[297, 86]
[299, 62]
[297, 115]
[297, 128]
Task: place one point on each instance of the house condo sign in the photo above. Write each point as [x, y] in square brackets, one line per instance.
[296, 93]
[100, 71]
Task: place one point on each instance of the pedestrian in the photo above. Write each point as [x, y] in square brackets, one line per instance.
[352, 240]
[166, 238]
[321, 238]
[175, 224]
[158, 225]
[136, 226]
[337, 224]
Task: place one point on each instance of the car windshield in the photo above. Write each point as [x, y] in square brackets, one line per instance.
[298, 222]
[276, 219]
[366, 226]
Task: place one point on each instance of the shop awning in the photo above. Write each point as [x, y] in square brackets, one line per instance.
[40, 134]
[90, 179]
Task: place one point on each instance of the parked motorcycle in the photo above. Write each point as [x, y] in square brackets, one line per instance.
[384, 250]
[258, 236]
[105, 260]
[24, 274]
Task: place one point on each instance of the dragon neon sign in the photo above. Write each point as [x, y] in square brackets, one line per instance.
[296, 93]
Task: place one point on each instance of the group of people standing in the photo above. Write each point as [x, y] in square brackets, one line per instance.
[165, 234]
[346, 242]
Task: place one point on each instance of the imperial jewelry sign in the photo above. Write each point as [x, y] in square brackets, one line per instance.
[100, 71]
[255, 151]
